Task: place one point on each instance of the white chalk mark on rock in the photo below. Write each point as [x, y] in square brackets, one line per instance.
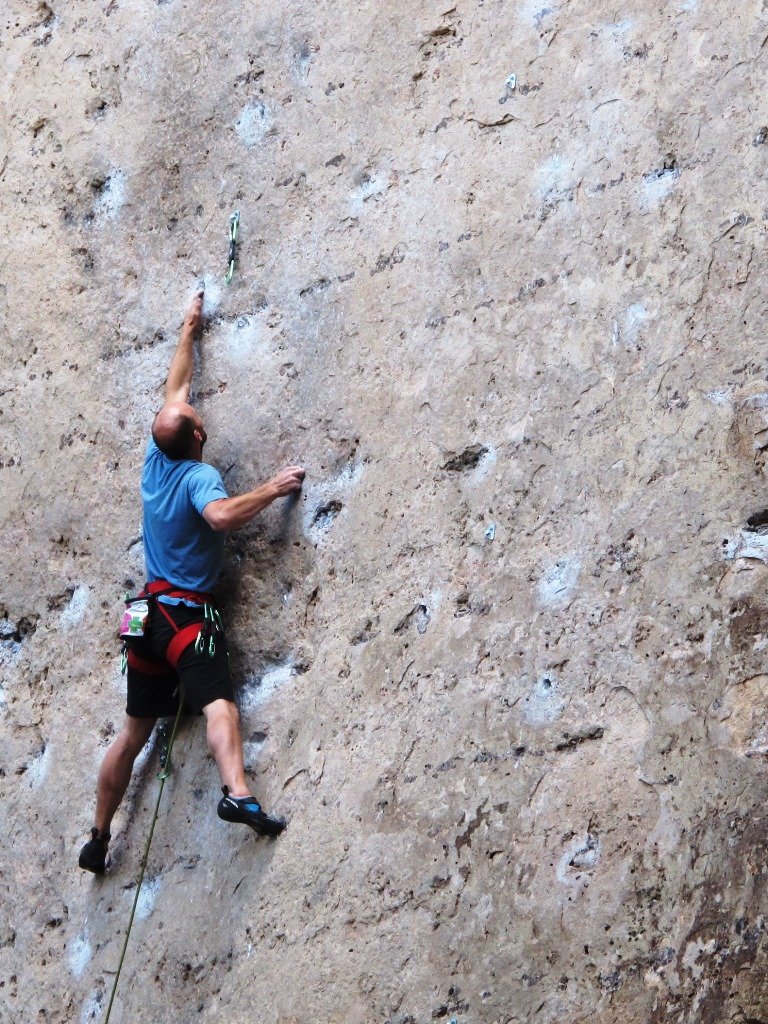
[543, 703]
[536, 12]
[212, 297]
[556, 180]
[657, 185]
[150, 890]
[91, 1008]
[80, 953]
[620, 28]
[243, 338]
[747, 544]
[369, 186]
[666, 833]
[581, 857]
[252, 751]
[10, 652]
[558, 584]
[74, 613]
[37, 769]
[111, 197]
[253, 123]
[257, 690]
[634, 318]
[484, 466]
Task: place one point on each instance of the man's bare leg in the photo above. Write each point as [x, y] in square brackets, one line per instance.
[226, 744]
[116, 768]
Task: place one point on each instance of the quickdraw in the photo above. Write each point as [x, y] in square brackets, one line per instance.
[234, 224]
[212, 627]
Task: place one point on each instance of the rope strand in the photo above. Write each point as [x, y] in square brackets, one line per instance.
[163, 775]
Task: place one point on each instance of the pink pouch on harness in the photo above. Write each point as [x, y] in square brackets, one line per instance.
[134, 620]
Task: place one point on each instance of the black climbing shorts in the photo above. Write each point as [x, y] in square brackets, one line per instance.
[205, 679]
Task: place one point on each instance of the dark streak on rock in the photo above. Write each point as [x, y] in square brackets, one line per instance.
[473, 824]
[470, 458]
[385, 262]
[572, 740]
[317, 286]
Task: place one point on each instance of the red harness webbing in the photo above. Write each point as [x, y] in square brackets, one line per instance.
[182, 637]
[169, 590]
[149, 668]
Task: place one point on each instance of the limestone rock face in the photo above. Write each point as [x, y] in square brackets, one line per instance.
[503, 664]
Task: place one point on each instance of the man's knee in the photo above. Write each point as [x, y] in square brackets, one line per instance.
[135, 733]
[221, 709]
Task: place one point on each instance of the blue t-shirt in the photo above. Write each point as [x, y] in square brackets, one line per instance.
[179, 545]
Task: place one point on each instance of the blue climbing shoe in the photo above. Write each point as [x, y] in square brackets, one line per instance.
[93, 856]
[247, 810]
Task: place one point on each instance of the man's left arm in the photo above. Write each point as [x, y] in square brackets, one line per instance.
[183, 362]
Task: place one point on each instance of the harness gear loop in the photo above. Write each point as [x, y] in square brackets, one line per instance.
[162, 775]
[234, 224]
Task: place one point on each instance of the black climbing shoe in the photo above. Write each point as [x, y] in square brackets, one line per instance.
[93, 855]
[248, 810]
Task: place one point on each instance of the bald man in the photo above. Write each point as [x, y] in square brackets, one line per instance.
[187, 513]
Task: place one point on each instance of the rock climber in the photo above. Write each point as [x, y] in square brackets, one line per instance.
[187, 513]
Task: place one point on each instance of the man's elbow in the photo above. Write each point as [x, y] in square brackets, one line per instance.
[218, 516]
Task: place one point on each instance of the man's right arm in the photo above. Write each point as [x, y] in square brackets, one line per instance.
[232, 513]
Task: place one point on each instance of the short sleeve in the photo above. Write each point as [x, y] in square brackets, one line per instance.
[152, 451]
[205, 485]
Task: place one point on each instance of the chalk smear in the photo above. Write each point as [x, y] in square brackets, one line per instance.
[150, 890]
[558, 584]
[253, 122]
[80, 953]
[74, 612]
[111, 197]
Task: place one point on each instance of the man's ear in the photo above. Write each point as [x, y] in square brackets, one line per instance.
[197, 435]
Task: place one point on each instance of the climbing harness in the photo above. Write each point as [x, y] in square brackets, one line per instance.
[165, 766]
[203, 637]
[234, 224]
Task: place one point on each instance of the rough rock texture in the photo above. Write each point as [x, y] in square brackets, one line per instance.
[504, 662]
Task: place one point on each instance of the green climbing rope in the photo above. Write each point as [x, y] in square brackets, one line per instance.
[162, 775]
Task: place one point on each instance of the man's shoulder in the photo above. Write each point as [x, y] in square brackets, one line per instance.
[204, 484]
[203, 471]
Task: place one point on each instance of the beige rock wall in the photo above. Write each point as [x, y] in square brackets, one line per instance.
[504, 663]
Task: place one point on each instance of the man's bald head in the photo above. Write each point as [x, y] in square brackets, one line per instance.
[177, 430]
